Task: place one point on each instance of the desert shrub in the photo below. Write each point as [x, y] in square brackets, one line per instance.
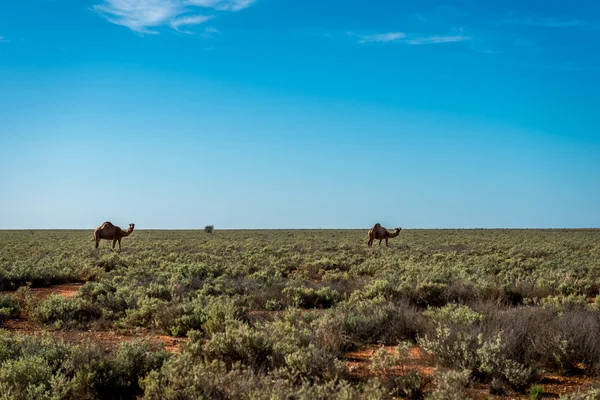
[564, 341]
[133, 361]
[32, 368]
[63, 313]
[28, 377]
[304, 297]
[208, 314]
[185, 377]
[37, 273]
[109, 262]
[468, 349]
[106, 295]
[385, 288]
[453, 348]
[209, 228]
[312, 363]
[563, 304]
[453, 314]
[451, 385]
[494, 363]
[591, 394]
[536, 392]
[376, 321]
[9, 307]
[430, 294]
[399, 380]
[300, 347]
[335, 390]
[436, 294]
[144, 312]
[576, 342]
[240, 343]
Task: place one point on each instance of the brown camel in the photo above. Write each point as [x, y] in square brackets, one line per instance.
[110, 232]
[379, 232]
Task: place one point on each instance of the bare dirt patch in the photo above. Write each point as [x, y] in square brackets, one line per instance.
[66, 290]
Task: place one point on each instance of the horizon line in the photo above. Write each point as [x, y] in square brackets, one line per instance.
[305, 229]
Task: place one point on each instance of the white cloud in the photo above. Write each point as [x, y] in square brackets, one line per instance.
[2, 40]
[144, 16]
[437, 39]
[401, 37]
[189, 20]
[379, 37]
[222, 5]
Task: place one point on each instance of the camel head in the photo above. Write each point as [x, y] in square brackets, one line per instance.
[132, 226]
[398, 229]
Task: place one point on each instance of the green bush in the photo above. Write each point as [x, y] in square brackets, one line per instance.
[536, 392]
[185, 377]
[240, 343]
[28, 377]
[64, 313]
[451, 385]
[591, 394]
[376, 321]
[453, 314]
[303, 297]
[32, 368]
[9, 307]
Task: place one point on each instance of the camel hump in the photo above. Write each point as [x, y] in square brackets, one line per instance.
[377, 225]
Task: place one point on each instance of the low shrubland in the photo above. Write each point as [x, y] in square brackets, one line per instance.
[271, 314]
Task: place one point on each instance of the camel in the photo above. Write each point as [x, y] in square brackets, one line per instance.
[378, 232]
[110, 232]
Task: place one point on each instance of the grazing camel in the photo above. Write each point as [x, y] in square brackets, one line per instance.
[378, 232]
[110, 232]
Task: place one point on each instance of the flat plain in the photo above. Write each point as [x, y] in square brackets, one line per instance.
[303, 314]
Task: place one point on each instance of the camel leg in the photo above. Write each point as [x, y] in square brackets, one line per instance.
[380, 241]
[119, 244]
[97, 243]
[114, 242]
[386, 243]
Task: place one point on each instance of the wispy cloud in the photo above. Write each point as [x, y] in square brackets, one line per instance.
[379, 37]
[146, 16]
[211, 29]
[2, 40]
[402, 37]
[490, 51]
[437, 39]
[222, 5]
[187, 21]
[550, 22]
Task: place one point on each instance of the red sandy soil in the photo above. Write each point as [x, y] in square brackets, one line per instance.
[66, 290]
[358, 363]
[106, 339]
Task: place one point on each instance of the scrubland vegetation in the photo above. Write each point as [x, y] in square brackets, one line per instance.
[273, 314]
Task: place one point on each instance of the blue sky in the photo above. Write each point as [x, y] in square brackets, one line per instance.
[299, 114]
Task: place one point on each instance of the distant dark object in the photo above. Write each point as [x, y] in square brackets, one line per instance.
[209, 228]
